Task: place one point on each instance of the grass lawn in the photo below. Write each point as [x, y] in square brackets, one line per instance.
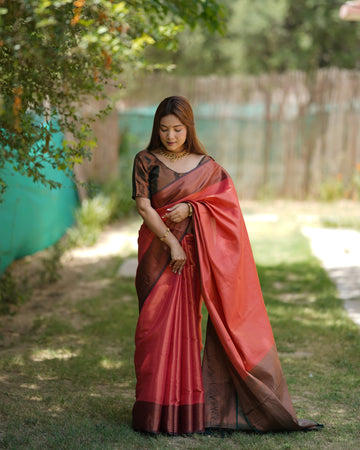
[66, 369]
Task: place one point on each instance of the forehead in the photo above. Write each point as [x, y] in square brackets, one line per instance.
[170, 121]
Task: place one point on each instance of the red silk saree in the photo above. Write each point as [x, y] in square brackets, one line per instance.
[240, 383]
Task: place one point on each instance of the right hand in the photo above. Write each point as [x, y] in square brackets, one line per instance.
[177, 213]
[178, 258]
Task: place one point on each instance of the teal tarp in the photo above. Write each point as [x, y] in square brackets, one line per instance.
[33, 217]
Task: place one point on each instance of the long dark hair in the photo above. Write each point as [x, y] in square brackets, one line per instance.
[181, 108]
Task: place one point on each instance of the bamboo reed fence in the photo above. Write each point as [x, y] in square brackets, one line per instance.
[286, 134]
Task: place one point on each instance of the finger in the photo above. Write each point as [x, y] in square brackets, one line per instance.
[178, 267]
[172, 217]
[168, 214]
[174, 264]
[181, 269]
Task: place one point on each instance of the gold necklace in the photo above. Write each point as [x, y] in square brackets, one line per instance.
[174, 156]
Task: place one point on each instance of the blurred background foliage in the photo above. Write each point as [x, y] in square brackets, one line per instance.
[55, 54]
[269, 36]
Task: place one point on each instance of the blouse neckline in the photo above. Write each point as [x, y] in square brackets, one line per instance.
[174, 171]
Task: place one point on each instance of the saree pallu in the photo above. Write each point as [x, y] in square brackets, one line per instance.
[240, 384]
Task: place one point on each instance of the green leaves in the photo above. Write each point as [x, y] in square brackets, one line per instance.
[269, 36]
[55, 54]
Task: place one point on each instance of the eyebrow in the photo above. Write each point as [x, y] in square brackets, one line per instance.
[173, 126]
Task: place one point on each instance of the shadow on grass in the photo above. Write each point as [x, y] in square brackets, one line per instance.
[69, 382]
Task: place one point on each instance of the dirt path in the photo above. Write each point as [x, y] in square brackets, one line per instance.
[339, 253]
[337, 249]
[76, 280]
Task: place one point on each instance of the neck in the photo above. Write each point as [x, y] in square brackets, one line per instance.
[172, 155]
[180, 152]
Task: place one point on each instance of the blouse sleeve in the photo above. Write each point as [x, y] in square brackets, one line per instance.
[140, 179]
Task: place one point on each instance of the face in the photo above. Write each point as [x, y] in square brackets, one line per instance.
[172, 133]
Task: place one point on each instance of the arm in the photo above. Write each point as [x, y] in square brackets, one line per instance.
[157, 226]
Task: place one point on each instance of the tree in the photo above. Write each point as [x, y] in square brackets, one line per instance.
[53, 54]
[309, 36]
[271, 36]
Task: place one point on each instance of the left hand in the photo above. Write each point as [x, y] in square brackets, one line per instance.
[177, 213]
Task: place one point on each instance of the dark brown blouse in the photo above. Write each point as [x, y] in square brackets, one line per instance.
[150, 174]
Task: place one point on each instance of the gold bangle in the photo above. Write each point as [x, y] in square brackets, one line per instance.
[190, 209]
[166, 233]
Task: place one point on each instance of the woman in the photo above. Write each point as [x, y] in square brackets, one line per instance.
[193, 247]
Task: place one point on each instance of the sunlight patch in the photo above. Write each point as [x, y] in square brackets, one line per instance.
[55, 411]
[111, 243]
[30, 386]
[36, 399]
[109, 364]
[46, 378]
[297, 298]
[48, 354]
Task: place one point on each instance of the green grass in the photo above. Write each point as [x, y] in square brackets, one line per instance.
[69, 382]
[341, 222]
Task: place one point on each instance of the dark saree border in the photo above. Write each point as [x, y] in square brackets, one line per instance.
[243, 380]
[154, 260]
[158, 257]
[169, 389]
[176, 419]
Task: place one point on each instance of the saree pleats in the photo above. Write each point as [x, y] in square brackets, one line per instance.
[169, 392]
[241, 384]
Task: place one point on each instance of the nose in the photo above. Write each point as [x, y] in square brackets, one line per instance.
[171, 134]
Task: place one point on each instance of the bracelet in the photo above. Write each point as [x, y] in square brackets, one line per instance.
[166, 233]
[190, 209]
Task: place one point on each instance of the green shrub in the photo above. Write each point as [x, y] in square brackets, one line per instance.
[332, 189]
[119, 189]
[341, 222]
[91, 217]
[13, 292]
